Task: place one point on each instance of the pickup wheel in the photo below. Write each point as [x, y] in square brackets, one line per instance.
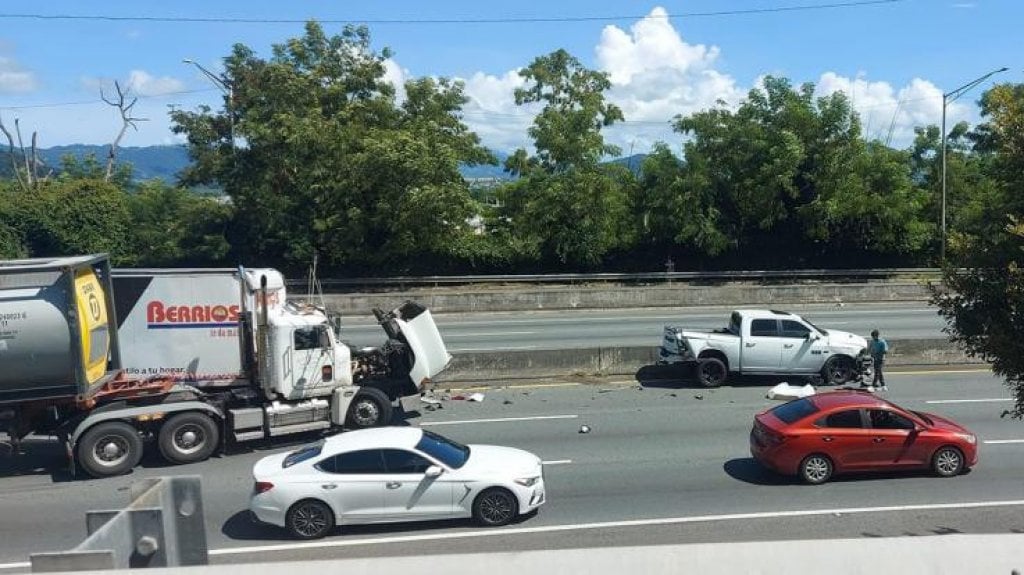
[109, 448]
[188, 438]
[711, 372]
[838, 370]
[370, 408]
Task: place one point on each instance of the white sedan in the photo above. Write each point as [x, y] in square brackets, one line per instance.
[393, 474]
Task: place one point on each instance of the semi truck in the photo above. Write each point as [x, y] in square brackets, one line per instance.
[189, 362]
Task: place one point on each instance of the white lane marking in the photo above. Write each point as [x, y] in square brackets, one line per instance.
[492, 348]
[499, 420]
[21, 565]
[610, 525]
[993, 400]
[557, 462]
[1003, 441]
[493, 334]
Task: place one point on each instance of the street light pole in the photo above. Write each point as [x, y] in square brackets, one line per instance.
[948, 97]
[226, 88]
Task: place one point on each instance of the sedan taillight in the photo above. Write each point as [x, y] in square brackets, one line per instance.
[261, 487]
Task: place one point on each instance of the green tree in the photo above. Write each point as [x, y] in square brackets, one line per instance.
[173, 227]
[787, 178]
[80, 216]
[327, 162]
[566, 209]
[983, 292]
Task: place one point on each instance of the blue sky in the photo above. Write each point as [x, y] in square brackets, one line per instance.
[895, 59]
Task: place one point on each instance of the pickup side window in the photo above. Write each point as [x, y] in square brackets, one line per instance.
[764, 328]
[796, 329]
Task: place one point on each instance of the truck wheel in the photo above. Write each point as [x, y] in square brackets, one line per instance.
[370, 408]
[109, 448]
[837, 371]
[188, 438]
[711, 372]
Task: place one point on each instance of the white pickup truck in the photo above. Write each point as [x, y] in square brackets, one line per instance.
[767, 342]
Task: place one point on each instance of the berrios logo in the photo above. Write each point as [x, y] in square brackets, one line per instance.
[160, 315]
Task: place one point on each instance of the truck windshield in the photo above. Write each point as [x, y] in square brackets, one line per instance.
[808, 322]
[452, 454]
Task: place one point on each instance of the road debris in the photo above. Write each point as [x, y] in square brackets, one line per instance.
[477, 397]
[785, 392]
[700, 397]
[507, 402]
[584, 429]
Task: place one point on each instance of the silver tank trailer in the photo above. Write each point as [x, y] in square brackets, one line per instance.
[40, 350]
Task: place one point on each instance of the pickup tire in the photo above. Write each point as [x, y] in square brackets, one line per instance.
[109, 448]
[838, 370]
[711, 372]
[370, 408]
[188, 438]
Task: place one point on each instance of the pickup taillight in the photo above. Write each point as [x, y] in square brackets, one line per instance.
[261, 487]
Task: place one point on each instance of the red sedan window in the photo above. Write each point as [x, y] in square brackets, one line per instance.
[794, 410]
[848, 419]
[885, 419]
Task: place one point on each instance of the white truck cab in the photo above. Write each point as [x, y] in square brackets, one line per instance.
[767, 342]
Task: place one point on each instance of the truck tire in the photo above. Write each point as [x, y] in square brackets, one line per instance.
[188, 437]
[109, 448]
[711, 372]
[370, 408]
[838, 370]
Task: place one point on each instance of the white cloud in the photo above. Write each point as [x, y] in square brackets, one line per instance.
[396, 76]
[14, 79]
[884, 109]
[655, 75]
[145, 84]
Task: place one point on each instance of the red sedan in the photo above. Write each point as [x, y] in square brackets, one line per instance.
[843, 431]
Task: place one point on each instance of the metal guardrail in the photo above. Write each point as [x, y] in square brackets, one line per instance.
[744, 275]
[161, 527]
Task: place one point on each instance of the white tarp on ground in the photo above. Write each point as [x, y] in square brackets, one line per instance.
[786, 392]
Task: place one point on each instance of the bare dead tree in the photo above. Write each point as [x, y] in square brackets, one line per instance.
[125, 108]
[14, 158]
[29, 172]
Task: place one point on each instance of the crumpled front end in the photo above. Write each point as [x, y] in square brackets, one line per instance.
[675, 348]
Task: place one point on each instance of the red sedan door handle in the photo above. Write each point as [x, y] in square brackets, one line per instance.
[827, 438]
[878, 439]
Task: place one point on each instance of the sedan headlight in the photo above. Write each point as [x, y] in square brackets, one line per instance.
[968, 437]
[527, 481]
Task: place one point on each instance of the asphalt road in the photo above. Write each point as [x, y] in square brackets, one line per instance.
[574, 329]
[662, 464]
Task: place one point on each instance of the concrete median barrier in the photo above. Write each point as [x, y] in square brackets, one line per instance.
[501, 298]
[602, 361]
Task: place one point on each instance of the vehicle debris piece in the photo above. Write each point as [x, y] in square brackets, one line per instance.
[584, 429]
[507, 402]
[700, 397]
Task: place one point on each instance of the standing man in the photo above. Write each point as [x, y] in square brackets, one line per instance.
[878, 348]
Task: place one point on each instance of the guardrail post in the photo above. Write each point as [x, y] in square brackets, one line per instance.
[161, 527]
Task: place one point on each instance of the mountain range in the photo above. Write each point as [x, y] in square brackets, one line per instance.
[165, 162]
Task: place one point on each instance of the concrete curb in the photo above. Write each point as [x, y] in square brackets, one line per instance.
[642, 361]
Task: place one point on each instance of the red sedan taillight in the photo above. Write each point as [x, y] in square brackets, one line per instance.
[261, 487]
[766, 435]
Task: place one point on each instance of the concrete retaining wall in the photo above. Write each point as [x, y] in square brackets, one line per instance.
[634, 361]
[499, 298]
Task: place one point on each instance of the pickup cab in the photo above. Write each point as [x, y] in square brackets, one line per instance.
[767, 342]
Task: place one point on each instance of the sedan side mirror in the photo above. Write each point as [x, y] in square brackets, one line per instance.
[434, 471]
[811, 336]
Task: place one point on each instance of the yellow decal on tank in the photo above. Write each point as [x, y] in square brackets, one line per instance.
[91, 305]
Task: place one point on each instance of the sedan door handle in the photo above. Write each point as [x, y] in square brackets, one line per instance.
[878, 439]
[329, 486]
[787, 345]
[393, 485]
[827, 438]
[750, 344]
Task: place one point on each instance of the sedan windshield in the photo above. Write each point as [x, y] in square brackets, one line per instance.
[452, 454]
